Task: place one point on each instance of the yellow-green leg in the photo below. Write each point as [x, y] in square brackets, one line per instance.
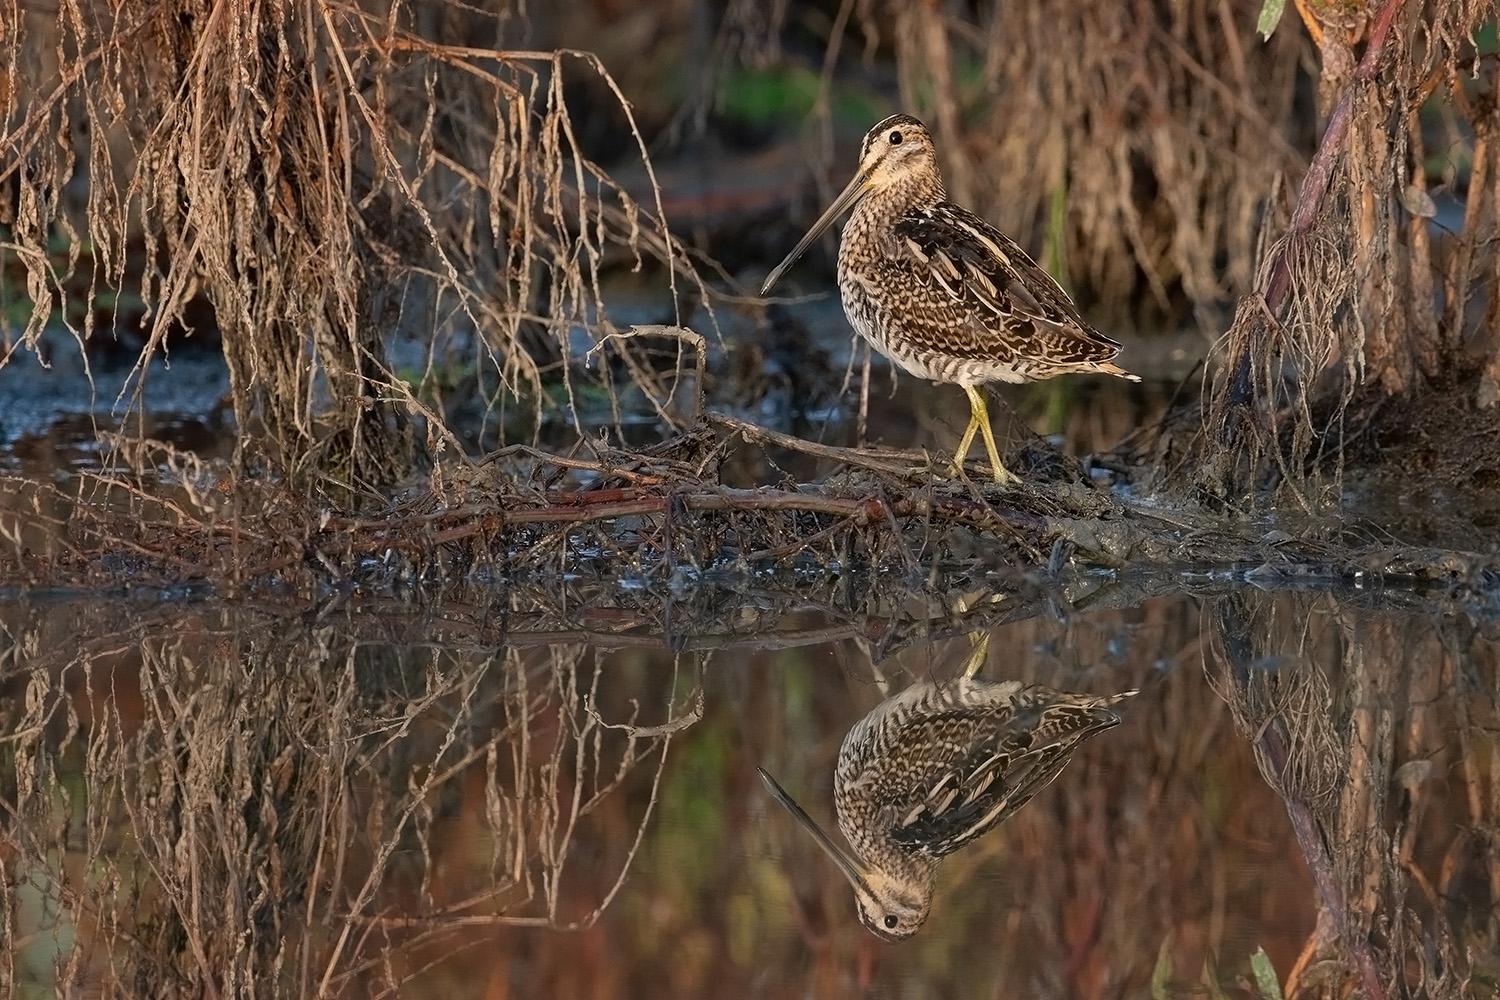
[979, 419]
[981, 645]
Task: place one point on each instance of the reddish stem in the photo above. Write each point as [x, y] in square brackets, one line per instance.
[1315, 185]
[1320, 864]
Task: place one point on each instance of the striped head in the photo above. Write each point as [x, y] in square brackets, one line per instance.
[897, 157]
[898, 152]
[893, 901]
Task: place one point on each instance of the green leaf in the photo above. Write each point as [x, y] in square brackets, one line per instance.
[1211, 979]
[1054, 245]
[1270, 16]
[1161, 976]
[1265, 975]
[1487, 38]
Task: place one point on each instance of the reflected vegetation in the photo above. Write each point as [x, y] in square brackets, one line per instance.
[229, 802]
[935, 767]
[238, 800]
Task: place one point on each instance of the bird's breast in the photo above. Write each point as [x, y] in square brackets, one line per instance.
[876, 316]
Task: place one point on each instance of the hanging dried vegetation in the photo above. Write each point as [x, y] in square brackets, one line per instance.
[326, 176]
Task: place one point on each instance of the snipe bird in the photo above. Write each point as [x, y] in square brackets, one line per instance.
[932, 769]
[942, 293]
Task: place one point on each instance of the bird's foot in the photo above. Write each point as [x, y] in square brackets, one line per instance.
[999, 474]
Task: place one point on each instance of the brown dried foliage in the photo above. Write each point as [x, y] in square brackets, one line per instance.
[665, 518]
[328, 176]
[1162, 130]
[1366, 292]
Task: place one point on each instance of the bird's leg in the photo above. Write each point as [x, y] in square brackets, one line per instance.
[979, 418]
[980, 646]
[963, 445]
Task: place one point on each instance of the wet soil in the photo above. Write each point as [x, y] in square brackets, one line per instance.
[1429, 472]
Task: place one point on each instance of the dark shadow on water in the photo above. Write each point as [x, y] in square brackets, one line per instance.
[238, 800]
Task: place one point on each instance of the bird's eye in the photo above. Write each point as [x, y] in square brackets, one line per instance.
[890, 918]
[895, 141]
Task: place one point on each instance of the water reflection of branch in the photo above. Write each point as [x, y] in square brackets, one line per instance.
[1320, 864]
[265, 801]
[1284, 706]
[693, 715]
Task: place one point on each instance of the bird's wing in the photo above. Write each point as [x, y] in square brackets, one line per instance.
[980, 788]
[955, 816]
[1006, 296]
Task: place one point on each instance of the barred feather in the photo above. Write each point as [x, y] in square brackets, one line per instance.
[936, 767]
[944, 294]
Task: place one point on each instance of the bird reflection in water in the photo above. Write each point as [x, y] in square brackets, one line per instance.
[934, 768]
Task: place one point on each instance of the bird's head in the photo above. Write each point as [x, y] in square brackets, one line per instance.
[896, 153]
[893, 909]
[892, 905]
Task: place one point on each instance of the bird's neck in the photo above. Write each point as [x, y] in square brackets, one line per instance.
[880, 209]
[902, 873]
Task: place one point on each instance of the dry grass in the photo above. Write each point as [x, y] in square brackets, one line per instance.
[328, 176]
[1366, 294]
[1161, 130]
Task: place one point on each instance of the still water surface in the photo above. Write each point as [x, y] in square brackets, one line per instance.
[243, 800]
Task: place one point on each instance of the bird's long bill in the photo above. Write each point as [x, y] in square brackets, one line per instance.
[851, 868]
[847, 197]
